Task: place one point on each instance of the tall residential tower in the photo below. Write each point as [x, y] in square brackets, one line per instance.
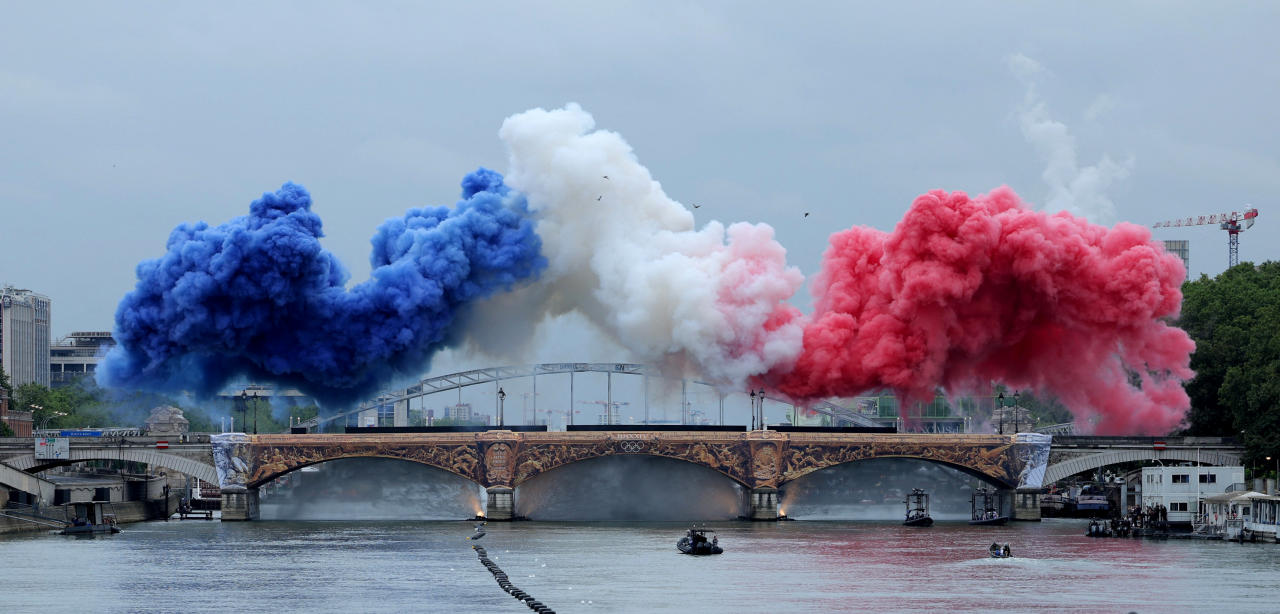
[24, 336]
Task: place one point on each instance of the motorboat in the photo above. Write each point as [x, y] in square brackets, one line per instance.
[697, 542]
[985, 508]
[90, 517]
[918, 509]
[1098, 529]
[998, 552]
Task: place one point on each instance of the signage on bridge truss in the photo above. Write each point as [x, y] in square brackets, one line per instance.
[52, 448]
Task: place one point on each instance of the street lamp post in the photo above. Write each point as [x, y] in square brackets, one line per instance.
[1000, 411]
[1016, 410]
[34, 409]
[44, 421]
[753, 410]
[502, 397]
[760, 398]
[244, 407]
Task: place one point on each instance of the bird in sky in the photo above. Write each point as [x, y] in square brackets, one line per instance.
[605, 176]
[806, 214]
[599, 197]
[696, 205]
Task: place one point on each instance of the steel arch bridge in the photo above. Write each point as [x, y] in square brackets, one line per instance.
[496, 375]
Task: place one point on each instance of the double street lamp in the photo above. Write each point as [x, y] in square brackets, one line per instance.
[244, 410]
[44, 420]
[1002, 412]
[502, 397]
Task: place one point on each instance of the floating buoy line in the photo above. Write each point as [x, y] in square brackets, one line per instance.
[505, 584]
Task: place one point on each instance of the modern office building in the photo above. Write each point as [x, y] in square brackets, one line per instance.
[77, 355]
[1183, 250]
[24, 336]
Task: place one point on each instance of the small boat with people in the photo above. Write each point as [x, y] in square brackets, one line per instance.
[996, 551]
[985, 508]
[918, 509]
[1098, 528]
[696, 542]
[89, 518]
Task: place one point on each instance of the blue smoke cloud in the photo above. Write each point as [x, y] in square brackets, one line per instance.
[258, 296]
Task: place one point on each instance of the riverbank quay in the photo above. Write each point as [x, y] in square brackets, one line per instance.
[132, 498]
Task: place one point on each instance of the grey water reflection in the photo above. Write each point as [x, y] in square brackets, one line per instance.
[875, 489]
[631, 488]
[370, 489]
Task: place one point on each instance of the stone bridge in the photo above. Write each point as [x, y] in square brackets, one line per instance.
[185, 454]
[499, 461]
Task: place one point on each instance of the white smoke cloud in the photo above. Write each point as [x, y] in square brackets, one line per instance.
[627, 256]
[1077, 190]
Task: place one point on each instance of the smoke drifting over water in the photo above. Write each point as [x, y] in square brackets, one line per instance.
[258, 296]
[630, 258]
[964, 292]
[1080, 191]
[967, 291]
[630, 488]
[371, 489]
[875, 490]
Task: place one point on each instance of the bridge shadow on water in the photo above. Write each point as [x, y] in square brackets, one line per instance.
[631, 488]
[612, 488]
[874, 489]
[370, 489]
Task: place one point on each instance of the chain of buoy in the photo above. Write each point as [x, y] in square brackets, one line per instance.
[505, 584]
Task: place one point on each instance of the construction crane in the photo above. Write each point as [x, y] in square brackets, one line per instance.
[1234, 223]
[609, 407]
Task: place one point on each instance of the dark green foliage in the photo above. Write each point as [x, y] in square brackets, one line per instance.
[1234, 319]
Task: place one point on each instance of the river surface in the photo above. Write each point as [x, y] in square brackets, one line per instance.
[388, 566]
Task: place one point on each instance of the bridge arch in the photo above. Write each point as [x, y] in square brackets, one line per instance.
[530, 468]
[149, 456]
[992, 480]
[1080, 464]
[275, 469]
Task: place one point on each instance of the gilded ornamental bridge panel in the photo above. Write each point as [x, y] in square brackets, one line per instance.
[755, 459]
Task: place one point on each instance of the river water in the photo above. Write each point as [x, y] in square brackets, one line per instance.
[803, 566]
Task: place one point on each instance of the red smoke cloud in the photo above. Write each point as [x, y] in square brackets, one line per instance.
[969, 291]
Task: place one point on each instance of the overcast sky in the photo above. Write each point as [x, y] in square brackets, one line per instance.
[121, 121]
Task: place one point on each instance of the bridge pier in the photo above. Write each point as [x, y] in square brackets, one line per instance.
[501, 504]
[241, 505]
[1026, 504]
[764, 503]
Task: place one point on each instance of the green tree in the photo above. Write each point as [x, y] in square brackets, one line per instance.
[69, 407]
[1234, 319]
